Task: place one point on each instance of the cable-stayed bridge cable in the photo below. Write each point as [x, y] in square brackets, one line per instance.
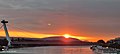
[1, 26]
[23, 31]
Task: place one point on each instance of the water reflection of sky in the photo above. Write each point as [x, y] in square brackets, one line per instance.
[54, 50]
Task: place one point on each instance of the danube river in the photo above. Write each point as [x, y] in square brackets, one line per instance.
[51, 50]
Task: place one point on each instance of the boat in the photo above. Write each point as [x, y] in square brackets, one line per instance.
[104, 50]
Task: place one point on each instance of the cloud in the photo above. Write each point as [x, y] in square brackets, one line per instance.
[83, 17]
[30, 4]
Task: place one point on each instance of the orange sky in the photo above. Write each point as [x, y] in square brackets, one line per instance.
[36, 35]
[84, 19]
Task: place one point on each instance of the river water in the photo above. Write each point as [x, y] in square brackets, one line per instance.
[51, 50]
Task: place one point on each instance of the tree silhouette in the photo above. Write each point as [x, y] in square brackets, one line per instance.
[101, 41]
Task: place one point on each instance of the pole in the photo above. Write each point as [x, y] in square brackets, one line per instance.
[6, 32]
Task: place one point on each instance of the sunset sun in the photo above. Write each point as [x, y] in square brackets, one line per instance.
[66, 35]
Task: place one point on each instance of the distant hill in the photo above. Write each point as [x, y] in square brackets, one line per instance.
[61, 38]
[48, 41]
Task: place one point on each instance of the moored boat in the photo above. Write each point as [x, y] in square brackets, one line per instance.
[104, 50]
